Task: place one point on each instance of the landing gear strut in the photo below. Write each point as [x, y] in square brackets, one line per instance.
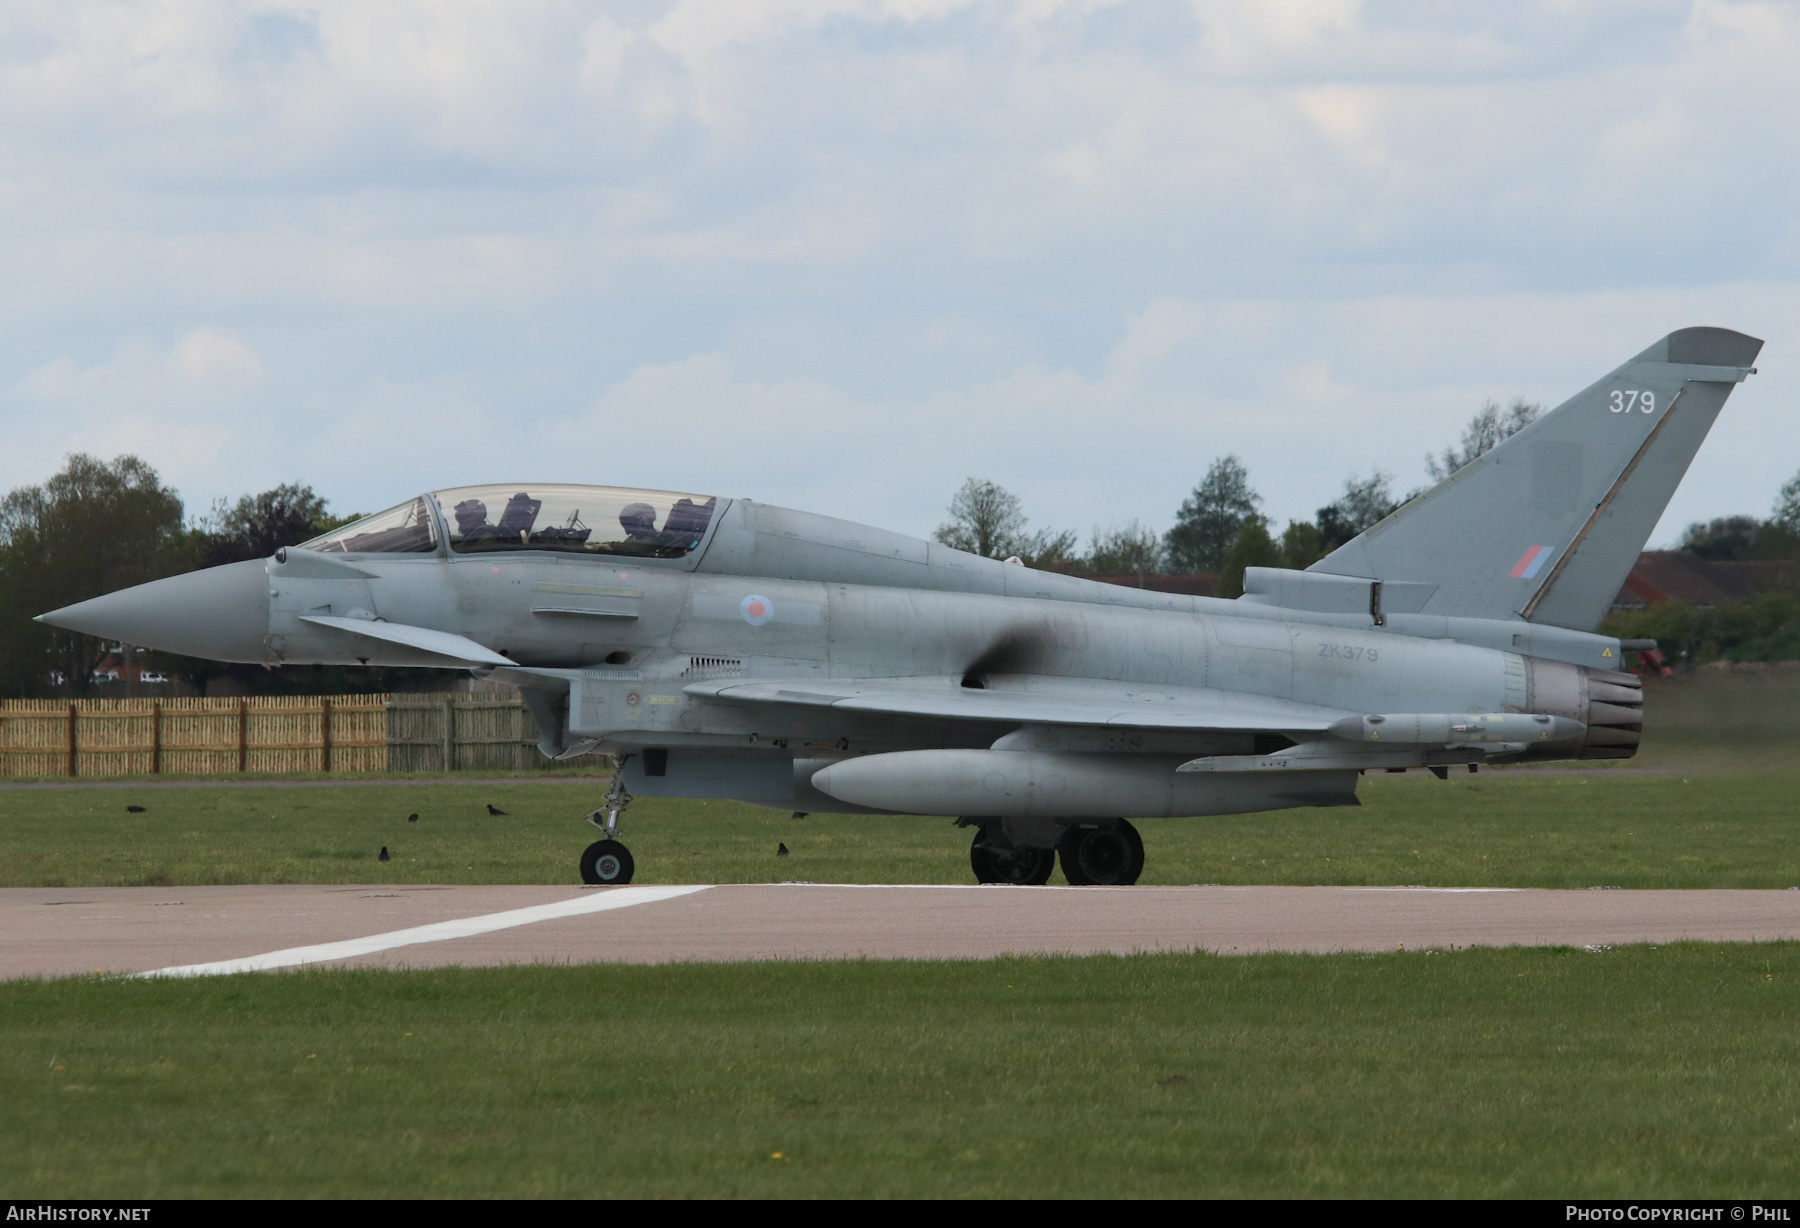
[607, 863]
[997, 859]
[1102, 855]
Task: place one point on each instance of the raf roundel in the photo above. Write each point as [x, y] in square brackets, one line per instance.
[756, 609]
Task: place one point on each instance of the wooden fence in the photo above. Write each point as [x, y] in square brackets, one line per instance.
[462, 733]
[300, 733]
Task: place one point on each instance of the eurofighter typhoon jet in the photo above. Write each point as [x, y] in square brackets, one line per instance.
[721, 648]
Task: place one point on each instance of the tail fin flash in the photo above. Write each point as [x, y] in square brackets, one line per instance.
[1547, 525]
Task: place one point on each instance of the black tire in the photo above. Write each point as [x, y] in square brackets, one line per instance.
[1110, 856]
[607, 863]
[995, 860]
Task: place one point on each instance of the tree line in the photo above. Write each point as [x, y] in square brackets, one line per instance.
[1219, 529]
[1764, 627]
[99, 526]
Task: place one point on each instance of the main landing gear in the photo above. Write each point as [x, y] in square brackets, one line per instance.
[607, 863]
[1094, 852]
[1102, 856]
[997, 859]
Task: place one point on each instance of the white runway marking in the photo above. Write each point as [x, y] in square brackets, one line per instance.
[1445, 890]
[618, 897]
[1043, 887]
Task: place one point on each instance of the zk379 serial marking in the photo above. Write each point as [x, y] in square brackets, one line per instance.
[1349, 652]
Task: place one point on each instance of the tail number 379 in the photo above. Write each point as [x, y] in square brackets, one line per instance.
[1623, 402]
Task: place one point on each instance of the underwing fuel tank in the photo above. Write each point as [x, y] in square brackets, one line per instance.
[1032, 784]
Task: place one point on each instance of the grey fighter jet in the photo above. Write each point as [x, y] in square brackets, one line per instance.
[721, 648]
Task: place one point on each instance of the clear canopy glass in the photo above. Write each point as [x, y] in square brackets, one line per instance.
[407, 529]
[656, 524]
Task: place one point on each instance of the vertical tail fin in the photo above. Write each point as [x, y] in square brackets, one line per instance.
[1547, 525]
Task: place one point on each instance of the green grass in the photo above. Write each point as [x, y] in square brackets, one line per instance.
[1733, 829]
[1639, 1072]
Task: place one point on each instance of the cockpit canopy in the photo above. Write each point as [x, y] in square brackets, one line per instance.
[407, 529]
[655, 524]
[609, 520]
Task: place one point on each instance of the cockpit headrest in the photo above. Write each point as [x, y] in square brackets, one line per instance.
[520, 514]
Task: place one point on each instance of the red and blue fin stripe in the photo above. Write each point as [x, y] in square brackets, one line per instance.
[1531, 562]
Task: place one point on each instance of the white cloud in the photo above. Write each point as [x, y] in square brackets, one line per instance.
[186, 409]
[850, 251]
[1307, 394]
[199, 369]
[205, 356]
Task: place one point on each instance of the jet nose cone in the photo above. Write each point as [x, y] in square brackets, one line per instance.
[221, 613]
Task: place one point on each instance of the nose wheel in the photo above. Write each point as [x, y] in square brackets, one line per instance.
[607, 863]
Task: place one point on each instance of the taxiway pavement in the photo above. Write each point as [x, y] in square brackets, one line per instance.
[66, 931]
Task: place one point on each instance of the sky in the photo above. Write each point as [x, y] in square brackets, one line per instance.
[843, 254]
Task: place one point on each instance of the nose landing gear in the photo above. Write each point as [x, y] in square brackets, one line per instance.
[607, 863]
